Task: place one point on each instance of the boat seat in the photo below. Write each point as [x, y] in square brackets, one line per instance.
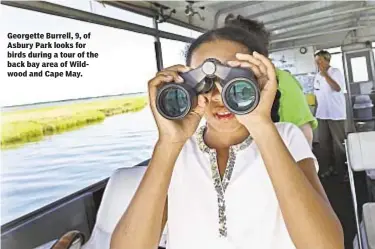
[361, 151]
[362, 158]
[360, 147]
[116, 197]
[369, 223]
[367, 228]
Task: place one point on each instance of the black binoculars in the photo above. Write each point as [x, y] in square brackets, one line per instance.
[240, 90]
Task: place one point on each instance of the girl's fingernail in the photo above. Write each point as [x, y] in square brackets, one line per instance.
[180, 79]
[232, 62]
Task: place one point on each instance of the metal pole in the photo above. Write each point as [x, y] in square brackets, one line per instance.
[278, 9]
[316, 34]
[331, 25]
[316, 43]
[158, 50]
[307, 13]
[233, 7]
[58, 10]
[372, 64]
[319, 18]
[134, 8]
[349, 105]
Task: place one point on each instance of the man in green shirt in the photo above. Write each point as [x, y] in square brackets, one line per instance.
[293, 104]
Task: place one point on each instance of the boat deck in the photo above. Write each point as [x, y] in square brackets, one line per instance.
[340, 196]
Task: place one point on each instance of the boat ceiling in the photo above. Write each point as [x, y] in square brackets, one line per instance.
[292, 23]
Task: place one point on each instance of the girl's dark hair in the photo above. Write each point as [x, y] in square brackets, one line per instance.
[254, 26]
[230, 33]
[241, 36]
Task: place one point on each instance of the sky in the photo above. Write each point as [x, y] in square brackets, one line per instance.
[125, 64]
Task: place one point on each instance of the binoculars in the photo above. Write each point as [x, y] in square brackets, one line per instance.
[240, 90]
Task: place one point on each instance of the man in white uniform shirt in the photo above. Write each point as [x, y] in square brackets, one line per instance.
[329, 85]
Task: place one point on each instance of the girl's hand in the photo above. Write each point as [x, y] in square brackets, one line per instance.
[265, 74]
[174, 131]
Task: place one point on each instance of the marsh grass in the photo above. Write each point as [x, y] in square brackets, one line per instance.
[20, 127]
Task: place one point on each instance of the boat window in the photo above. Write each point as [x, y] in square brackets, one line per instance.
[106, 10]
[334, 50]
[173, 52]
[172, 28]
[337, 62]
[360, 74]
[38, 173]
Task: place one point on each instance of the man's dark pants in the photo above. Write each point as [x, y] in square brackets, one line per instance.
[331, 139]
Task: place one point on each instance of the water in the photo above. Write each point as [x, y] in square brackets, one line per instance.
[39, 173]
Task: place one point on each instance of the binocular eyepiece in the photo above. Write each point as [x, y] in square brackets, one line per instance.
[240, 90]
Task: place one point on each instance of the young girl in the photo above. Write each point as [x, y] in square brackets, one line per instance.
[237, 182]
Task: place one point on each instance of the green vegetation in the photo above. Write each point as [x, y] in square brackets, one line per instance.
[25, 126]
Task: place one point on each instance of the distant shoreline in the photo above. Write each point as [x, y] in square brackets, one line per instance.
[22, 125]
[64, 101]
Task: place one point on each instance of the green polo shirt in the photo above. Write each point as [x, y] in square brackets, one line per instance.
[293, 104]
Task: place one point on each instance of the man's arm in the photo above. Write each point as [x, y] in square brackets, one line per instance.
[308, 132]
[308, 215]
[336, 80]
[143, 222]
[332, 83]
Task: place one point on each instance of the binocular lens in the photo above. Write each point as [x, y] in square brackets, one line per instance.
[241, 95]
[174, 102]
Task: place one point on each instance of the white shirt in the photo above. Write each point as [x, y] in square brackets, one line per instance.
[331, 104]
[251, 216]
